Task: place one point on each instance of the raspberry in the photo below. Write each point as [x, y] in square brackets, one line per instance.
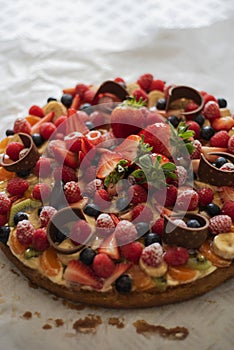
[103, 265]
[104, 225]
[140, 94]
[5, 203]
[3, 219]
[41, 192]
[145, 81]
[220, 139]
[211, 110]
[132, 251]
[194, 127]
[22, 125]
[37, 111]
[72, 192]
[39, 239]
[152, 255]
[196, 154]
[43, 167]
[65, 174]
[25, 232]
[137, 194]
[142, 212]
[46, 214]
[125, 232]
[227, 167]
[231, 144]
[46, 130]
[228, 209]
[187, 200]
[102, 199]
[181, 173]
[13, 150]
[176, 256]
[157, 84]
[73, 141]
[208, 97]
[206, 196]
[17, 186]
[220, 224]
[166, 196]
[158, 226]
[80, 232]
[93, 186]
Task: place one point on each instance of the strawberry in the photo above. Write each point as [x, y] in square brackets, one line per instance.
[5, 203]
[94, 137]
[220, 139]
[25, 232]
[119, 270]
[145, 81]
[129, 148]
[107, 163]
[97, 118]
[223, 123]
[37, 111]
[158, 136]
[137, 194]
[195, 127]
[228, 209]
[220, 224]
[181, 174]
[109, 246]
[142, 212]
[75, 123]
[205, 196]
[158, 226]
[166, 196]
[125, 232]
[208, 97]
[140, 95]
[102, 199]
[72, 192]
[152, 255]
[22, 125]
[211, 110]
[231, 144]
[132, 251]
[13, 150]
[80, 89]
[88, 96]
[196, 153]
[41, 192]
[187, 199]
[103, 265]
[65, 174]
[104, 225]
[65, 157]
[47, 129]
[60, 123]
[78, 272]
[153, 117]
[46, 214]
[39, 239]
[17, 186]
[176, 256]
[43, 167]
[80, 232]
[73, 141]
[157, 84]
[3, 219]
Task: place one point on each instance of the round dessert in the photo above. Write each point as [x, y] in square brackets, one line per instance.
[121, 195]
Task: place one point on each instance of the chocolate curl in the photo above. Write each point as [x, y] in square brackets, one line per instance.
[111, 87]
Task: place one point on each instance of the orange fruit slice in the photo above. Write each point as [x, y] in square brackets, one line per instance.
[49, 262]
[208, 252]
[32, 119]
[6, 175]
[140, 279]
[3, 143]
[182, 273]
[15, 245]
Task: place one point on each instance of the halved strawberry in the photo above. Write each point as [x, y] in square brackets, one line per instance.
[158, 136]
[65, 157]
[223, 123]
[129, 147]
[110, 247]
[77, 272]
[120, 269]
[75, 123]
[107, 163]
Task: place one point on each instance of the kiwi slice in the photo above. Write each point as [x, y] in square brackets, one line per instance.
[160, 283]
[21, 206]
[199, 262]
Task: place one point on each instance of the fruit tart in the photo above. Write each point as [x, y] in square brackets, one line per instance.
[121, 195]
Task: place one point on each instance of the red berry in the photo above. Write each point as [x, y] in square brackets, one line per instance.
[103, 265]
[211, 110]
[43, 167]
[102, 199]
[60, 123]
[125, 232]
[72, 192]
[80, 90]
[22, 125]
[47, 129]
[13, 150]
[191, 106]
[137, 194]
[231, 144]
[97, 118]
[166, 196]
[37, 111]
[46, 214]
[208, 98]
[145, 81]
[5, 203]
[194, 127]
[80, 232]
[104, 225]
[187, 199]
[39, 239]
[142, 212]
[3, 219]
[152, 255]
[140, 94]
[65, 174]
[157, 84]
[220, 224]
[196, 154]
[41, 192]
[158, 226]
[206, 196]
[228, 209]
[220, 139]
[93, 186]
[119, 80]
[17, 186]
[176, 256]
[73, 141]
[132, 251]
[227, 167]
[25, 232]
[181, 173]
[89, 95]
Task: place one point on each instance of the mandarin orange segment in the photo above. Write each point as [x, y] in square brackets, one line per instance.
[15, 245]
[182, 273]
[140, 279]
[49, 262]
[6, 175]
[3, 143]
[209, 254]
[32, 119]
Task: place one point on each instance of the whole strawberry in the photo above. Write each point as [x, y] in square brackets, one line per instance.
[228, 209]
[220, 139]
[211, 110]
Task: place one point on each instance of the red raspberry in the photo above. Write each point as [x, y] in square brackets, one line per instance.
[211, 110]
[181, 173]
[140, 94]
[37, 111]
[220, 224]
[47, 129]
[231, 144]
[102, 199]
[220, 139]
[103, 265]
[137, 194]
[72, 192]
[157, 84]
[104, 225]
[227, 167]
[22, 125]
[3, 219]
[41, 192]
[166, 196]
[125, 232]
[152, 255]
[25, 232]
[142, 212]
[196, 154]
[206, 196]
[39, 239]
[46, 214]
[5, 203]
[80, 232]
[65, 174]
[228, 209]
[132, 251]
[158, 226]
[208, 97]
[17, 186]
[73, 141]
[13, 150]
[176, 256]
[194, 127]
[145, 81]
[93, 186]
[191, 106]
[187, 199]
[43, 167]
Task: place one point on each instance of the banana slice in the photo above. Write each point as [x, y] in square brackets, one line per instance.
[223, 245]
[131, 87]
[225, 112]
[57, 107]
[153, 97]
[158, 271]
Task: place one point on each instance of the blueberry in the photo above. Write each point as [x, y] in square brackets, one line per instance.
[89, 125]
[173, 120]
[66, 99]
[23, 173]
[87, 255]
[19, 217]
[161, 104]
[142, 228]
[4, 234]
[123, 284]
[61, 236]
[199, 119]
[39, 211]
[207, 132]
[92, 210]
[49, 99]
[222, 102]
[122, 203]
[212, 209]
[10, 132]
[151, 238]
[220, 161]
[87, 108]
[37, 139]
[193, 223]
